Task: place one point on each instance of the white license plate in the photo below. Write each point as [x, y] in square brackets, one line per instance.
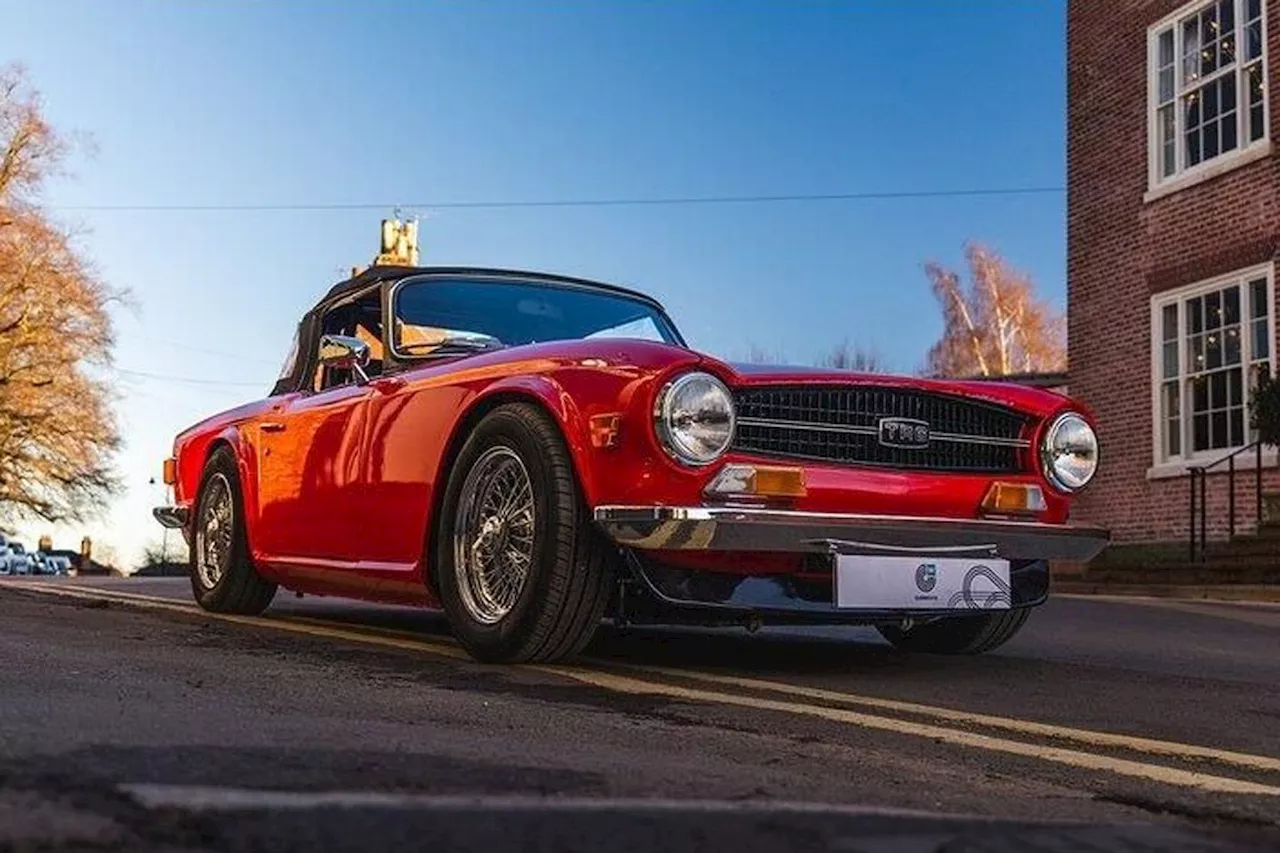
[921, 583]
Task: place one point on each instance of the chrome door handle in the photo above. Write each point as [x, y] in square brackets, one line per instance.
[272, 426]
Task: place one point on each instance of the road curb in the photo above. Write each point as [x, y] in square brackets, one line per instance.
[1183, 592]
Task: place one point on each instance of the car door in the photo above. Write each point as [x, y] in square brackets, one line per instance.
[309, 474]
[310, 469]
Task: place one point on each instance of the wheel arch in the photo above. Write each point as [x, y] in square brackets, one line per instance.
[539, 392]
[233, 439]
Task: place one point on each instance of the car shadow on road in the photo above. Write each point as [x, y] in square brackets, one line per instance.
[771, 651]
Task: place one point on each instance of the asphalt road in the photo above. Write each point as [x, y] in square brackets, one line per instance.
[129, 720]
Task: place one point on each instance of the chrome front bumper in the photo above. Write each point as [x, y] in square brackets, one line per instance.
[174, 517]
[750, 529]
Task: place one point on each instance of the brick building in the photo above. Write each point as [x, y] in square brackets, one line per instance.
[1173, 241]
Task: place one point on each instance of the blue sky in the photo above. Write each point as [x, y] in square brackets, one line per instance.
[292, 102]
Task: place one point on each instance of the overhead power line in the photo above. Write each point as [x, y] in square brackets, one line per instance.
[596, 202]
[202, 350]
[189, 380]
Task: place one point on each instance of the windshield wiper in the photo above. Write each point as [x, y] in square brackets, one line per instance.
[452, 345]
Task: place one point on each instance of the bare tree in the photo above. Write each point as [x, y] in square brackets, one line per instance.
[843, 356]
[57, 429]
[997, 325]
[858, 359]
[757, 354]
[165, 552]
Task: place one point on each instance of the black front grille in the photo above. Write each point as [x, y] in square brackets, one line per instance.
[841, 424]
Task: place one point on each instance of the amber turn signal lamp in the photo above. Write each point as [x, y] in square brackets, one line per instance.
[170, 471]
[605, 430]
[1014, 499]
[758, 481]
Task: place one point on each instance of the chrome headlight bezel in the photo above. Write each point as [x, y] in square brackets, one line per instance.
[669, 432]
[1049, 454]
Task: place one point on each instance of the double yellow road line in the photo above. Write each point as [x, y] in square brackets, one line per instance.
[1043, 742]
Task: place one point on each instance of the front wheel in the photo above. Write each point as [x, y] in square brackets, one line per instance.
[958, 635]
[523, 573]
[223, 577]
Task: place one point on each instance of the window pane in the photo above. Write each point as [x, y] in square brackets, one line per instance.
[1227, 91]
[1255, 83]
[1236, 420]
[1253, 41]
[1218, 430]
[1213, 350]
[1229, 136]
[1170, 359]
[1195, 354]
[1256, 118]
[1195, 316]
[1199, 394]
[1168, 154]
[1235, 396]
[1171, 418]
[1226, 17]
[1231, 353]
[1258, 298]
[1253, 9]
[1210, 144]
[1218, 390]
[1213, 310]
[1261, 340]
[1169, 323]
[1200, 433]
[1210, 110]
[1166, 85]
[1192, 116]
[1231, 305]
[1193, 147]
[1208, 35]
[1190, 49]
[1165, 49]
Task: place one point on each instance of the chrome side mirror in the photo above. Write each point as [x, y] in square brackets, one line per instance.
[345, 353]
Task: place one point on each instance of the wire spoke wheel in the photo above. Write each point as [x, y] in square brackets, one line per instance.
[493, 538]
[215, 531]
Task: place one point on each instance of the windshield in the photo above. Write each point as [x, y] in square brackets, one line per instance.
[442, 314]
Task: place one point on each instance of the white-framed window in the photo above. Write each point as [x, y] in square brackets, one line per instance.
[1208, 87]
[1210, 341]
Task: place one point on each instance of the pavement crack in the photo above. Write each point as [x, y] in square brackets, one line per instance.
[1170, 808]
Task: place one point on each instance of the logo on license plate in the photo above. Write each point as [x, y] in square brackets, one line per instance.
[926, 577]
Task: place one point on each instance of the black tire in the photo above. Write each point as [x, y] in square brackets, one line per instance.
[571, 567]
[959, 635]
[238, 588]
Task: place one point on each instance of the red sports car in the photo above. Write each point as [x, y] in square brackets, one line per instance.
[535, 453]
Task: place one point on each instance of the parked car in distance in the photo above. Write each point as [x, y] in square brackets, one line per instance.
[533, 452]
[49, 564]
[19, 560]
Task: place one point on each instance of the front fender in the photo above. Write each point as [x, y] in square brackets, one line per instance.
[551, 396]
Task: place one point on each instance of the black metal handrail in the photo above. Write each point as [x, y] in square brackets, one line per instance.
[1199, 475]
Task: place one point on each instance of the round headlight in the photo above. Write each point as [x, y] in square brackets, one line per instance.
[1070, 452]
[695, 418]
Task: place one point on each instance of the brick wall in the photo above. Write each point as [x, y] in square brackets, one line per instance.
[1121, 250]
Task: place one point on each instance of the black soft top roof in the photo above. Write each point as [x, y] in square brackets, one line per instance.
[377, 274]
[309, 327]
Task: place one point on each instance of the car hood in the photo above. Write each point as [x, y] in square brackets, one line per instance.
[614, 353]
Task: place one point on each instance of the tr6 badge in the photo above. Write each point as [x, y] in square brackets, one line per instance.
[904, 432]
